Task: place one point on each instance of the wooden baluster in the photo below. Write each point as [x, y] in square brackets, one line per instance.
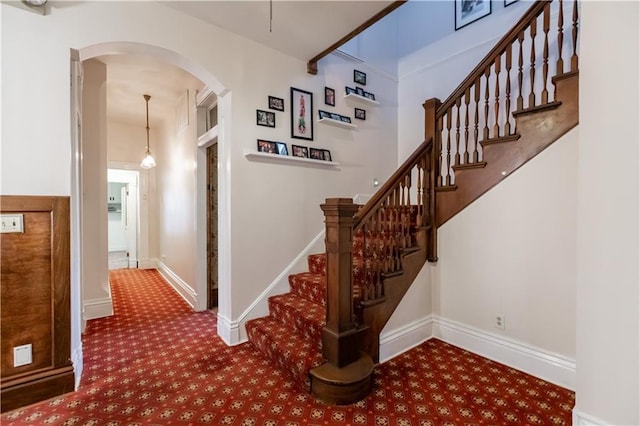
[449, 181]
[496, 126]
[406, 221]
[440, 158]
[532, 71]
[560, 62]
[545, 53]
[476, 120]
[457, 158]
[467, 98]
[574, 31]
[486, 105]
[520, 101]
[507, 89]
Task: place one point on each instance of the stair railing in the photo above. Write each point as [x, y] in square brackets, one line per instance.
[512, 79]
[387, 226]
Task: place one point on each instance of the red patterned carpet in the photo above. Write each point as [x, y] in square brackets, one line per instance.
[158, 362]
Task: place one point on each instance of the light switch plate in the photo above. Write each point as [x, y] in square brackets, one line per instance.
[10, 223]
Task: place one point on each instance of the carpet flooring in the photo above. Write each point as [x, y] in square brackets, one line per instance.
[156, 361]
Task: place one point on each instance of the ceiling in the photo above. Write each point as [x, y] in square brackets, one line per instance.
[301, 29]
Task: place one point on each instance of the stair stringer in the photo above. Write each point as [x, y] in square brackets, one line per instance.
[537, 128]
[395, 287]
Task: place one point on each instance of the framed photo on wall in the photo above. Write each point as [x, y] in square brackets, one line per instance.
[329, 96]
[265, 118]
[301, 114]
[468, 11]
[300, 151]
[276, 103]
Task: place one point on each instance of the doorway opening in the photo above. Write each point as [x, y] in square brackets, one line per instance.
[122, 208]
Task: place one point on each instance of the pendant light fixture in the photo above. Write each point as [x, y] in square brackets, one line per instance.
[147, 162]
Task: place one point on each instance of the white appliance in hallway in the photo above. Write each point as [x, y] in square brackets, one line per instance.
[122, 205]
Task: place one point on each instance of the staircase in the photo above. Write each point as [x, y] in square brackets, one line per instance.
[325, 332]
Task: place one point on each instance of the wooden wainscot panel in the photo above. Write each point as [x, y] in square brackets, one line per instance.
[35, 301]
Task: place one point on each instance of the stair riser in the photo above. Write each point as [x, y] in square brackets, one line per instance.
[311, 331]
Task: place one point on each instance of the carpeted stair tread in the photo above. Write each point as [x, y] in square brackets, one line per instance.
[317, 263]
[304, 317]
[312, 287]
[289, 351]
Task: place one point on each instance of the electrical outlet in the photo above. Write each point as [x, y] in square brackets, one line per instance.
[499, 321]
[22, 355]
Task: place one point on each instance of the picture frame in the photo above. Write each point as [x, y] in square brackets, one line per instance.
[509, 2]
[316, 154]
[301, 114]
[281, 148]
[349, 90]
[267, 146]
[360, 114]
[468, 11]
[329, 96]
[359, 91]
[276, 103]
[326, 154]
[359, 77]
[335, 116]
[345, 119]
[369, 96]
[265, 118]
[299, 151]
[323, 114]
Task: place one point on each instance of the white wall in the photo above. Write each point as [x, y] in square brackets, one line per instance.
[608, 331]
[512, 252]
[176, 171]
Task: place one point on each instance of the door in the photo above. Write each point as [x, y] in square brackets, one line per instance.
[212, 226]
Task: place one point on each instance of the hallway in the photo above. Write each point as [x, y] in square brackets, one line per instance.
[156, 361]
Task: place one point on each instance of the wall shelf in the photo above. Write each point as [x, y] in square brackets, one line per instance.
[337, 123]
[275, 158]
[361, 99]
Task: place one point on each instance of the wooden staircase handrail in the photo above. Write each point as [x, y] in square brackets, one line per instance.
[509, 38]
[371, 206]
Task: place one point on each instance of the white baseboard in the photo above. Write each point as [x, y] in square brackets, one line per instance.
[395, 342]
[229, 331]
[97, 308]
[549, 366]
[582, 419]
[148, 263]
[179, 285]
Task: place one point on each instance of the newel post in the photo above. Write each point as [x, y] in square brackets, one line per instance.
[339, 338]
[347, 375]
[432, 132]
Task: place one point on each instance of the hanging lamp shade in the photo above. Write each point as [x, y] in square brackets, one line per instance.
[148, 161]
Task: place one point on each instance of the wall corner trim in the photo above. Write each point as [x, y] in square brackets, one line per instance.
[229, 331]
[546, 365]
[179, 285]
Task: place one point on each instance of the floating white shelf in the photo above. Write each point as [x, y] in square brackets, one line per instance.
[337, 123]
[361, 99]
[275, 158]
